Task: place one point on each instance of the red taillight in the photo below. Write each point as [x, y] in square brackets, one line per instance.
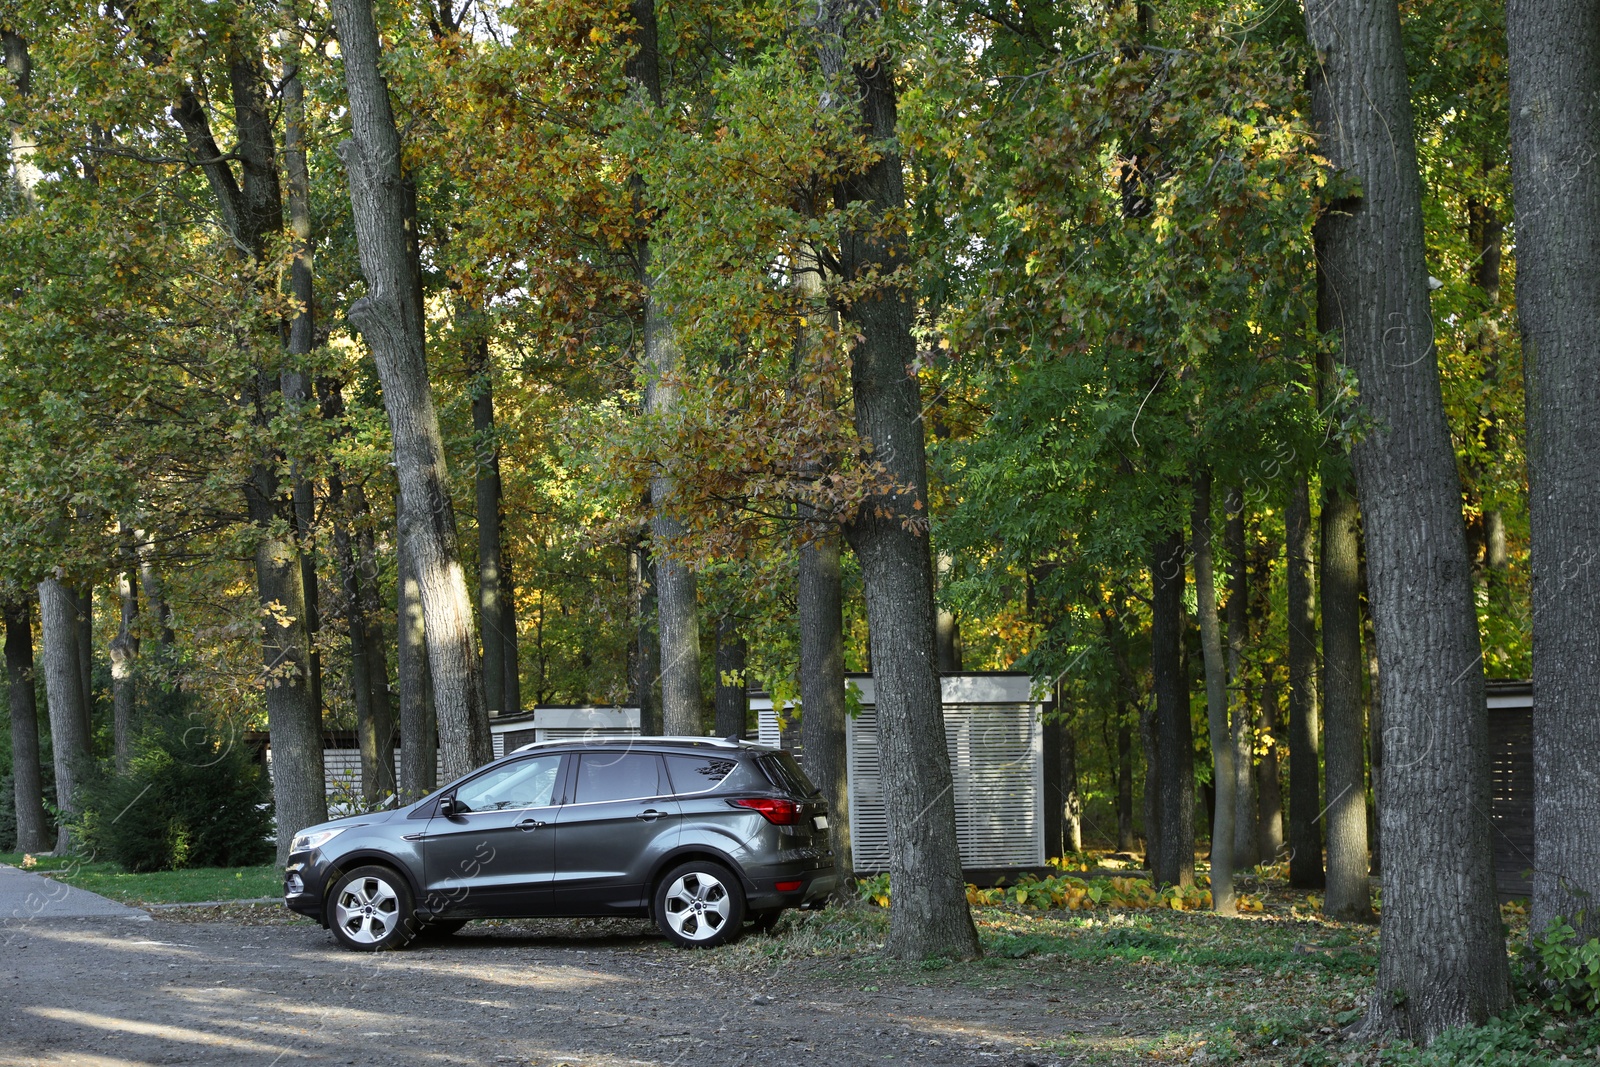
[778, 812]
[788, 887]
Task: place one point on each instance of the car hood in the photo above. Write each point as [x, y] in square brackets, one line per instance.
[350, 821]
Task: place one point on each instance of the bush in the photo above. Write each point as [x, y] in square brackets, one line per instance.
[188, 799]
[1565, 970]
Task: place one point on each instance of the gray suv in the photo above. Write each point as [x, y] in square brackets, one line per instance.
[698, 834]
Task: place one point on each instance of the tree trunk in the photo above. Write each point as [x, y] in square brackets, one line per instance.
[1173, 861]
[369, 681]
[33, 827]
[1242, 714]
[676, 587]
[1345, 727]
[1305, 750]
[732, 697]
[390, 321]
[69, 742]
[1269, 790]
[645, 664]
[502, 684]
[419, 768]
[946, 628]
[296, 382]
[1072, 806]
[83, 607]
[1443, 962]
[1223, 901]
[154, 595]
[823, 718]
[1555, 140]
[889, 532]
[1125, 841]
[124, 657]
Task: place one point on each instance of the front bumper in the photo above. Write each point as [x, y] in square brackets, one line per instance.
[304, 885]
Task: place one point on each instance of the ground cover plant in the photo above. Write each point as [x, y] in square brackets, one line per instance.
[190, 886]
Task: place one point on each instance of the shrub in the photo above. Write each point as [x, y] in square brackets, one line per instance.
[1567, 973]
[188, 799]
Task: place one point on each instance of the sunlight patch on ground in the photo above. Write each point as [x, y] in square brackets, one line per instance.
[91, 1020]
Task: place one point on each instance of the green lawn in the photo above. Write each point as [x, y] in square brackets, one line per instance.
[158, 887]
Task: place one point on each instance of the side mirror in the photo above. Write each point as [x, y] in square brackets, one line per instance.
[447, 806]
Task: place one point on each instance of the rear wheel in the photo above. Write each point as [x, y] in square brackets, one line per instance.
[699, 904]
[370, 910]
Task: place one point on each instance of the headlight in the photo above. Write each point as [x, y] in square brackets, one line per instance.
[314, 839]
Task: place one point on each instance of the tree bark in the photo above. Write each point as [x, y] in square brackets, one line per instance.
[1305, 749]
[1555, 141]
[419, 767]
[645, 663]
[1442, 962]
[389, 318]
[1269, 790]
[676, 587]
[83, 608]
[33, 827]
[1242, 714]
[732, 697]
[69, 740]
[1223, 900]
[296, 381]
[889, 532]
[946, 627]
[502, 683]
[1345, 727]
[1172, 862]
[124, 659]
[1072, 798]
[823, 718]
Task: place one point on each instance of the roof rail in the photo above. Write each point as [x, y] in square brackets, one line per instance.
[681, 739]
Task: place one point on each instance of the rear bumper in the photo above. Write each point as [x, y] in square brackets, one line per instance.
[791, 889]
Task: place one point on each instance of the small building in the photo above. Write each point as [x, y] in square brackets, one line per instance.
[1511, 786]
[995, 742]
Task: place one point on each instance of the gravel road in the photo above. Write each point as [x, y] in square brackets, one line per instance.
[100, 992]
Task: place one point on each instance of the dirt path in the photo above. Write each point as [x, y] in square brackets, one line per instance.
[103, 993]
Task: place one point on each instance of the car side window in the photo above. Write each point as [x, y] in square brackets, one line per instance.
[528, 783]
[606, 776]
[698, 774]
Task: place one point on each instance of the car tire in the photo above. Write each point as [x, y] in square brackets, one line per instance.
[699, 904]
[370, 910]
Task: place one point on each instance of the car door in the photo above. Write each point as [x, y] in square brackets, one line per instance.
[620, 821]
[494, 855]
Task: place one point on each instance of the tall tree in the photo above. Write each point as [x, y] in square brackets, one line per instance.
[1242, 716]
[497, 610]
[1442, 961]
[63, 694]
[1305, 737]
[1223, 777]
[676, 587]
[889, 532]
[1555, 142]
[390, 320]
[27, 781]
[125, 655]
[1172, 857]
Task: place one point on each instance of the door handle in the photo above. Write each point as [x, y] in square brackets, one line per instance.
[529, 824]
[650, 814]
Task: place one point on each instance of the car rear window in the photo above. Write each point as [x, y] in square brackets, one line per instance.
[701, 774]
[787, 775]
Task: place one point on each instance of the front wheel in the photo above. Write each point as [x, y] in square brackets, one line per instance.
[699, 904]
[371, 910]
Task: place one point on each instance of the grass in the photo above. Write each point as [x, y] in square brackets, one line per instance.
[157, 887]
